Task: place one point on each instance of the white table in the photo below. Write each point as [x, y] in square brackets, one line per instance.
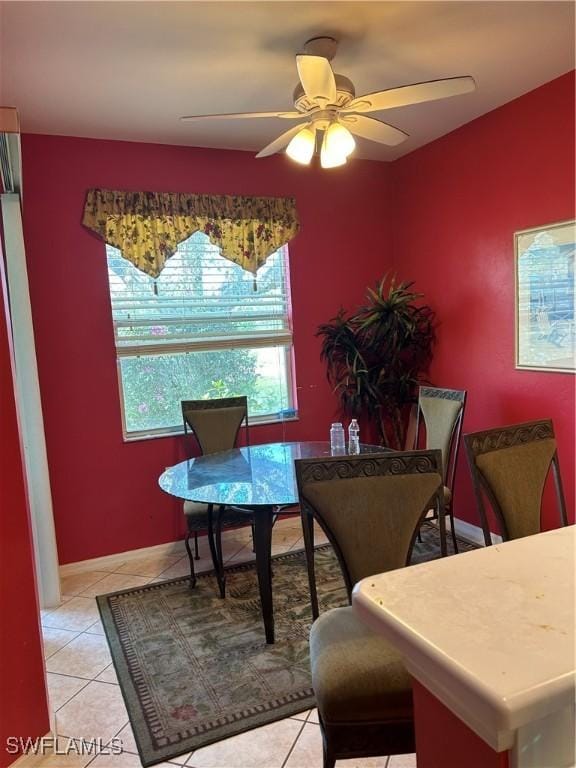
[490, 633]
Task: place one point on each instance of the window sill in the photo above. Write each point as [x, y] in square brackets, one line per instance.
[180, 431]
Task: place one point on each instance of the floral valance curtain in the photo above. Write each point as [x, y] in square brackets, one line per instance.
[148, 226]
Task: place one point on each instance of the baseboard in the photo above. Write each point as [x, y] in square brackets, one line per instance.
[473, 533]
[108, 561]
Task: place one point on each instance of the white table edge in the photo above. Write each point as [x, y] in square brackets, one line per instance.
[493, 717]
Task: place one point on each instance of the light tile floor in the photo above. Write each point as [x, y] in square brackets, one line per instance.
[83, 688]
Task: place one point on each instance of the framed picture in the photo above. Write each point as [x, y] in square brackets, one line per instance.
[545, 329]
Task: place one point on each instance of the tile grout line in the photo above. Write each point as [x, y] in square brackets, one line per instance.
[87, 683]
[155, 576]
[88, 679]
[54, 711]
[73, 677]
[77, 676]
[127, 751]
[65, 644]
[294, 743]
[78, 633]
[79, 594]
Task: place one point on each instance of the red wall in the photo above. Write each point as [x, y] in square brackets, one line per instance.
[457, 203]
[105, 492]
[23, 705]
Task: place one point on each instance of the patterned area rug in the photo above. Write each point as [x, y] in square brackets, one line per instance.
[195, 669]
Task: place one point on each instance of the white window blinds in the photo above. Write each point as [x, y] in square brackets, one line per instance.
[200, 300]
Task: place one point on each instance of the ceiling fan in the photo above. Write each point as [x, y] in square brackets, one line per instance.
[327, 102]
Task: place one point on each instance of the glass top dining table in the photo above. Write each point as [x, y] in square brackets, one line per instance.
[258, 478]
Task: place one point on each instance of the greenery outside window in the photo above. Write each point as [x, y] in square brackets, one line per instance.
[200, 330]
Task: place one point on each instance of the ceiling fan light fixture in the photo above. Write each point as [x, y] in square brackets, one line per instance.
[301, 147]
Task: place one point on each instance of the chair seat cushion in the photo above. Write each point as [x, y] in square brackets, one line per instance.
[195, 509]
[196, 514]
[356, 675]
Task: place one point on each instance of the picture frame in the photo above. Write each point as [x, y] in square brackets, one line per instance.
[544, 298]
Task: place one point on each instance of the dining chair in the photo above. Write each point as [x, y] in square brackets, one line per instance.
[215, 424]
[439, 414]
[370, 508]
[509, 467]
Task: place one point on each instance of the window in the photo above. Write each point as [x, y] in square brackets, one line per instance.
[200, 330]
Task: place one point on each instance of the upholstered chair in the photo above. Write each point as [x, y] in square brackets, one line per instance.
[215, 424]
[370, 508]
[440, 413]
[509, 467]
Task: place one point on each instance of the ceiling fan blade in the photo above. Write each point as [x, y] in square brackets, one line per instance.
[243, 115]
[375, 130]
[411, 94]
[282, 141]
[317, 78]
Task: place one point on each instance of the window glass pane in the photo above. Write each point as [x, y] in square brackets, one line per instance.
[154, 385]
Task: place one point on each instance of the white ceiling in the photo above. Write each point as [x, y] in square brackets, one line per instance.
[128, 70]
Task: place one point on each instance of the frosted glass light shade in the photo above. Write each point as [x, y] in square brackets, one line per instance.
[328, 160]
[339, 140]
[301, 147]
[338, 143]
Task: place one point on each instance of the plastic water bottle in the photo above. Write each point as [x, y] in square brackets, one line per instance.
[353, 437]
[337, 439]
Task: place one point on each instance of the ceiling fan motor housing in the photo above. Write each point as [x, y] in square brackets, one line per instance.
[345, 92]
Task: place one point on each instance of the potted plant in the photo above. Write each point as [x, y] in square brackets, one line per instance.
[377, 357]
